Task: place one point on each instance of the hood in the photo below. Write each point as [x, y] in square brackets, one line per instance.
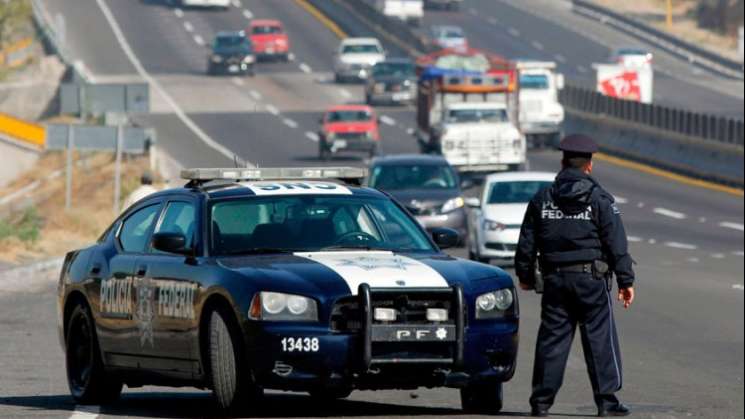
[424, 198]
[572, 191]
[336, 274]
[508, 214]
[342, 127]
[364, 59]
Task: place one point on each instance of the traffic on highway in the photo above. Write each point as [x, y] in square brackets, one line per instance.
[385, 208]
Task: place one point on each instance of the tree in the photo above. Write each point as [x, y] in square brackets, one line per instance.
[14, 14]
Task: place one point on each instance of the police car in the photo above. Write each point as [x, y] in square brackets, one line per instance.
[290, 279]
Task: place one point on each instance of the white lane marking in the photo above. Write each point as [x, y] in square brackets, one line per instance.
[694, 260]
[411, 131]
[85, 412]
[560, 58]
[290, 123]
[188, 26]
[537, 45]
[641, 205]
[514, 32]
[493, 21]
[236, 4]
[718, 256]
[652, 241]
[702, 219]
[734, 226]
[739, 253]
[305, 68]
[345, 93]
[621, 200]
[634, 239]
[738, 287]
[178, 12]
[238, 81]
[312, 136]
[681, 246]
[291, 56]
[272, 110]
[199, 40]
[388, 120]
[157, 87]
[670, 213]
[582, 69]
[254, 94]
[473, 11]
[247, 14]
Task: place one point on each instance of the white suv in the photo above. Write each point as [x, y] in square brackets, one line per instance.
[356, 57]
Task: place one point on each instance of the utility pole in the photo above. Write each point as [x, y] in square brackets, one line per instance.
[669, 14]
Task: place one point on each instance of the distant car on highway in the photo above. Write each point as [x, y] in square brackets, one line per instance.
[222, 4]
[349, 128]
[232, 53]
[356, 57]
[451, 5]
[427, 186]
[496, 217]
[392, 81]
[292, 279]
[448, 36]
[269, 39]
[632, 57]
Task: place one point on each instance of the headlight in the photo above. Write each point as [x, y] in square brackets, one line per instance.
[248, 59]
[452, 205]
[275, 306]
[216, 59]
[330, 136]
[491, 225]
[494, 304]
[369, 135]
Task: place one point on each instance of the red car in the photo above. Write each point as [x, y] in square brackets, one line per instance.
[269, 39]
[349, 128]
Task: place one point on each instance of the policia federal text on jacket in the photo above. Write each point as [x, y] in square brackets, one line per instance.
[574, 231]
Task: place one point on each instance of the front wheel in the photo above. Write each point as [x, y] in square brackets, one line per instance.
[85, 371]
[482, 398]
[232, 384]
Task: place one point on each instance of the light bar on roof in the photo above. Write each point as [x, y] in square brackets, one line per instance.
[274, 173]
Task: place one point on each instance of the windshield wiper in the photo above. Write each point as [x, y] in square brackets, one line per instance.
[353, 247]
[258, 251]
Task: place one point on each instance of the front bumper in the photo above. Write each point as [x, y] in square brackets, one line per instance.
[499, 245]
[338, 145]
[537, 128]
[393, 97]
[232, 65]
[481, 351]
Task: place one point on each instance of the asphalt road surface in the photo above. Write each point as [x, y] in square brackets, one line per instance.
[682, 341]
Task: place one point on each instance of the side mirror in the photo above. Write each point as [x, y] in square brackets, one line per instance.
[473, 202]
[467, 184]
[560, 82]
[171, 243]
[445, 238]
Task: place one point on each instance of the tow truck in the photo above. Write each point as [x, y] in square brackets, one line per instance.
[467, 110]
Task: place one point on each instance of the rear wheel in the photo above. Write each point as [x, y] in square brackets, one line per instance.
[482, 398]
[86, 376]
[232, 383]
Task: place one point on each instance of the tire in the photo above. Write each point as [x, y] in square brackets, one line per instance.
[86, 376]
[232, 383]
[330, 394]
[482, 398]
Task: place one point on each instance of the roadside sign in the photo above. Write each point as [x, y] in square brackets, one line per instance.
[623, 82]
[102, 98]
[98, 138]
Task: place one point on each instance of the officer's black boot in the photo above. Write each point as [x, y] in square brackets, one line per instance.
[539, 412]
[619, 409]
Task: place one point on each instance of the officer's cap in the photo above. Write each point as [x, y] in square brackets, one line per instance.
[578, 143]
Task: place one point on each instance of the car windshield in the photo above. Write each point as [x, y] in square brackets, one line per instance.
[534, 82]
[386, 69]
[477, 115]
[630, 51]
[451, 34]
[348, 116]
[266, 29]
[518, 192]
[278, 224]
[360, 49]
[231, 42]
[410, 176]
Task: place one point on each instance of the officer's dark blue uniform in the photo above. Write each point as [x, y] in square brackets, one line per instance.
[568, 227]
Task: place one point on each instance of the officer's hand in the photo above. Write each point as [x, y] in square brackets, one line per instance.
[627, 296]
[526, 287]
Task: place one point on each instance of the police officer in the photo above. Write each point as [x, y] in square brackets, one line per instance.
[573, 230]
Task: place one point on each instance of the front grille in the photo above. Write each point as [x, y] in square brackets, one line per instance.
[393, 87]
[353, 136]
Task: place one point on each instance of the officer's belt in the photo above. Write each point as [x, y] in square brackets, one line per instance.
[574, 268]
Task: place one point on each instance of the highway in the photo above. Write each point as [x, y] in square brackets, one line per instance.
[682, 341]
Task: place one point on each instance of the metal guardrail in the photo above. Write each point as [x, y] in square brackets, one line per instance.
[697, 125]
[674, 45]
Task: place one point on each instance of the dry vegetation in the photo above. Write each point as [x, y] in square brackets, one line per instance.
[38, 226]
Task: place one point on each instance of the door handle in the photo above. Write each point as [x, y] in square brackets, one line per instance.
[141, 271]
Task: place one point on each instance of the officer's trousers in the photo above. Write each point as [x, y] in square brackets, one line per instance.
[572, 299]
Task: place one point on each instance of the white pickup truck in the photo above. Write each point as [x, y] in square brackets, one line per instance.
[410, 11]
[480, 137]
[541, 114]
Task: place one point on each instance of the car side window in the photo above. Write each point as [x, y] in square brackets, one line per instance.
[179, 217]
[135, 231]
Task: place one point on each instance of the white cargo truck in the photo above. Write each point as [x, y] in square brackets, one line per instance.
[410, 11]
[541, 114]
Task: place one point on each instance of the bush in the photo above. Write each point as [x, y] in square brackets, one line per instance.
[26, 228]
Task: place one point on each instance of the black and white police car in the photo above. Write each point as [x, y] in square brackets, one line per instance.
[291, 279]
